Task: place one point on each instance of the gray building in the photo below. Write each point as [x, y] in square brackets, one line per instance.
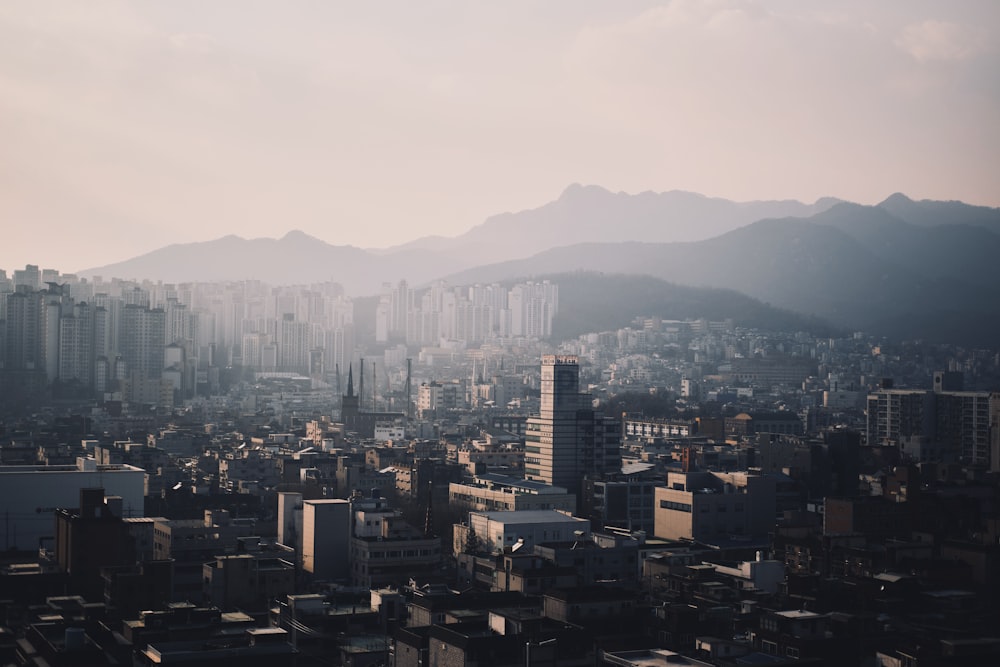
[568, 441]
[326, 531]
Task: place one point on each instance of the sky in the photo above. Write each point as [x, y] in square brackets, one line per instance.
[127, 126]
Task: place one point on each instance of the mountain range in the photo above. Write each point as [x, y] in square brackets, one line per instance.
[904, 268]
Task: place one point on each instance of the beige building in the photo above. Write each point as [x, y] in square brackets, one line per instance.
[714, 506]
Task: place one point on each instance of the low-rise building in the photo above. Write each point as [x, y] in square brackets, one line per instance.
[384, 549]
[494, 532]
[493, 492]
[711, 506]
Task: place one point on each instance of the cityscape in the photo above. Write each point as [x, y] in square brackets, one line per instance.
[522, 334]
[238, 472]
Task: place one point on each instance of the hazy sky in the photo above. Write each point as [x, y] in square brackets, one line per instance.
[125, 126]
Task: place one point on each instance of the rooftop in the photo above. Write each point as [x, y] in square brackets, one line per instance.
[529, 485]
[531, 516]
[798, 614]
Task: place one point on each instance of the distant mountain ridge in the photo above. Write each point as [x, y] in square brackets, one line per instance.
[902, 267]
[589, 213]
[855, 266]
[581, 214]
[294, 259]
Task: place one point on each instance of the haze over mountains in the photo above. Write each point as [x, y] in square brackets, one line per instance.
[580, 214]
[903, 268]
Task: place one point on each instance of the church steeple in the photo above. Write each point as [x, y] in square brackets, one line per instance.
[350, 381]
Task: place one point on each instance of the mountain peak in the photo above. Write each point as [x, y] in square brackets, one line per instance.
[297, 236]
[896, 199]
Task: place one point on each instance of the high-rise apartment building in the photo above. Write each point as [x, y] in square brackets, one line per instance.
[294, 342]
[958, 421]
[143, 340]
[532, 308]
[568, 441]
[24, 338]
[76, 344]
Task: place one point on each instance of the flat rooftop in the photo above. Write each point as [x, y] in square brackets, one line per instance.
[118, 467]
[529, 485]
[798, 613]
[531, 516]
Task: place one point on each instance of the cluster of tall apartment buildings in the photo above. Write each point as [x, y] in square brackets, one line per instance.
[152, 341]
[471, 314]
[155, 342]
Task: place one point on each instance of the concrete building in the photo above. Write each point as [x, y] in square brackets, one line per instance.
[433, 396]
[385, 550]
[326, 531]
[497, 531]
[568, 441]
[493, 492]
[480, 456]
[897, 413]
[957, 420]
[290, 520]
[29, 496]
[143, 332]
[247, 581]
[711, 507]
[90, 537]
[623, 503]
[747, 425]
[193, 542]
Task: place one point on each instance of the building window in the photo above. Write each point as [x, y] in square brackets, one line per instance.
[677, 507]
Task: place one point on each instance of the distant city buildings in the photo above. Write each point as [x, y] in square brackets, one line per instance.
[469, 314]
[160, 344]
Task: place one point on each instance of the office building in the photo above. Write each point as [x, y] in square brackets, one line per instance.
[568, 441]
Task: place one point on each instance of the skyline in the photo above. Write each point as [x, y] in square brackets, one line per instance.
[131, 127]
